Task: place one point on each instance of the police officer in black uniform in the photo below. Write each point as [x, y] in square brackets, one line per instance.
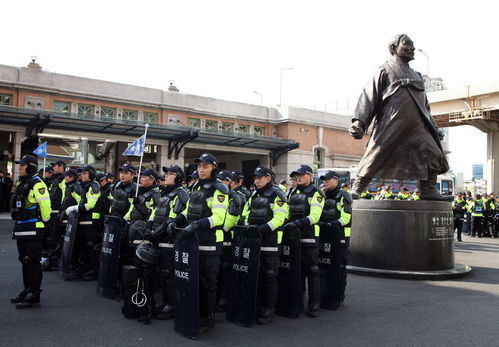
[205, 215]
[144, 256]
[30, 211]
[173, 201]
[54, 230]
[103, 205]
[238, 185]
[88, 233]
[338, 212]
[305, 208]
[459, 210]
[267, 209]
[237, 200]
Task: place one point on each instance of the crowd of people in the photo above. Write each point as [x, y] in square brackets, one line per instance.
[153, 212]
[476, 216]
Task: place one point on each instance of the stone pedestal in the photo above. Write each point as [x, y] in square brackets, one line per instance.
[404, 239]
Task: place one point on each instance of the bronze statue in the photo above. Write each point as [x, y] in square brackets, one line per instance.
[405, 141]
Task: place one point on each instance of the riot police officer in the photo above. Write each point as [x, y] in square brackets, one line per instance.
[115, 246]
[88, 232]
[173, 201]
[404, 194]
[237, 199]
[238, 185]
[143, 205]
[54, 229]
[103, 204]
[205, 216]
[338, 212]
[30, 212]
[305, 208]
[267, 209]
[144, 257]
[459, 210]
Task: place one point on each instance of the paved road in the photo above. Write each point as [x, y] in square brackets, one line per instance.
[377, 312]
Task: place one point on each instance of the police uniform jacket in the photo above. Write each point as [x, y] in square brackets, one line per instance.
[57, 187]
[31, 208]
[208, 206]
[172, 203]
[338, 207]
[121, 197]
[305, 207]
[267, 206]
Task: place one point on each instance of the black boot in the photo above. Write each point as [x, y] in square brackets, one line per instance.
[31, 300]
[359, 186]
[428, 189]
[314, 297]
[20, 297]
[269, 297]
[168, 295]
[207, 324]
[26, 282]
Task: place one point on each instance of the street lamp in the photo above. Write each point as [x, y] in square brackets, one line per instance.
[427, 62]
[261, 96]
[280, 85]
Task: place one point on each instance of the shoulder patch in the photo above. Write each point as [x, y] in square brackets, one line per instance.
[221, 198]
[41, 190]
[280, 203]
[319, 199]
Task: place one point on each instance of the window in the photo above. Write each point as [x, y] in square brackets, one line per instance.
[243, 128]
[228, 127]
[173, 119]
[319, 156]
[150, 117]
[194, 122]
[107, 113]
[211, 125]
[5, 99]
[259, 131]
[129, 115]
[62, 106]
[86, 111]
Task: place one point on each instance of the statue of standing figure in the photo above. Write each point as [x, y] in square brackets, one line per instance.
[405, 141]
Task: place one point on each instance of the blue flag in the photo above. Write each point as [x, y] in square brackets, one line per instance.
[136, 148]
[41, 151]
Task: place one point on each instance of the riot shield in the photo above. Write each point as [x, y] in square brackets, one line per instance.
[110, 256]
[244, 280]
[289, 297]
[186, 279]
[329, 266]
[67, 248]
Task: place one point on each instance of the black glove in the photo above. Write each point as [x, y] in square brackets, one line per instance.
[336, 224]
[188, 230]
[264, 228]
[291, 226]
[253, 228]
[170, 229]
[14, 215]
[148, 235]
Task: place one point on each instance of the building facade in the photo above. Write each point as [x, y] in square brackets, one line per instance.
[88, 121]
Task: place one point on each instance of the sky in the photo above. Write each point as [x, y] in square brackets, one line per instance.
[232, 49]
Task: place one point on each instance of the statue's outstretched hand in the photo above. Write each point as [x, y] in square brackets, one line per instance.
[357, 129]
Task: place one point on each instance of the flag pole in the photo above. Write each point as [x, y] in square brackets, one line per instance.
[140, 163]
[44, 161]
